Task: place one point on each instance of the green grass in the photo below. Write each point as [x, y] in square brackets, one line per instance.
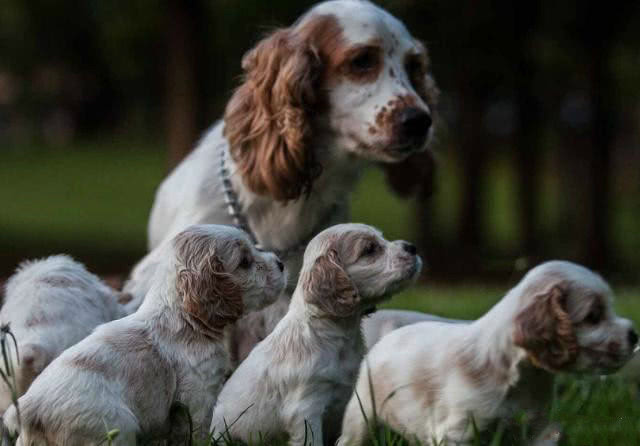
[94, 197]
[84, 195]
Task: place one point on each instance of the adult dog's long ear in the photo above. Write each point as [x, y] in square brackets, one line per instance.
[328, 287]
[208, 294]
[267, 120]
[415, 175]
[544, 329]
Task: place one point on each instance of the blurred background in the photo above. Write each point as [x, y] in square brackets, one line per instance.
[538, 151]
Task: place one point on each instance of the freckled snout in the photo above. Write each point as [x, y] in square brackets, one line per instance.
[412, 126]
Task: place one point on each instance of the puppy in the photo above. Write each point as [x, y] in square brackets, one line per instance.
[432, 379]
[50, 304]
[132, 374]
[302, 374]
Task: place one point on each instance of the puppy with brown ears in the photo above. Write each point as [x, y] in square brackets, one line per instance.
[50, 304]
[431, 379]
[297, 381]
[132, 373]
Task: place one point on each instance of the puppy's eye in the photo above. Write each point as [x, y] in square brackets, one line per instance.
[365, 60]
[595, 315]
[245, 263]
[370, 249]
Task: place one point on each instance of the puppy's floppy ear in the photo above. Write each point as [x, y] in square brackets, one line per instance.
[267, 120]
[545, 330]
[329, 288]
[208, 294]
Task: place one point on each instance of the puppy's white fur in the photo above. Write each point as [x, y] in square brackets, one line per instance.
[297, 381]
[131, 373]
[430, 378]
[50, 304]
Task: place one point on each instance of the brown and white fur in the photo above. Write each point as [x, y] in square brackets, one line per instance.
[344, 86]
[131, 374]
[50, 304]
[300, 377]
[429, 379]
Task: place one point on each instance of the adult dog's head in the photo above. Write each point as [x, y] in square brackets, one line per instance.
[348, 77]
[349, 268]
[220, 275]
[566, 321]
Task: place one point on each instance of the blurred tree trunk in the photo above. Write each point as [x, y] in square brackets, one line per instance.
[602, 24]
[529, 131]
[602, 133]
[473, 160]
[181, 79]
[473, 83]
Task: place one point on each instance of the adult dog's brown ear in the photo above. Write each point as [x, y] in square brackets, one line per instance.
[545, 330]
[267, 120]
[209, 296]
[328, 287]
[415, 175]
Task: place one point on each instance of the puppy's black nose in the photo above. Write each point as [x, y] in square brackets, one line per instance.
[411, 249]
[415, 123]
[633, 337]
[280, 265]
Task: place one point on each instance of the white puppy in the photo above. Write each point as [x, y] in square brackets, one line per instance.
[300, 377]
[431, 379]
[132, 373]
[50, 304]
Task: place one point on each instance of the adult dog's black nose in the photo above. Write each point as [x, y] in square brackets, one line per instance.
[410, 248]
[415, 123]
[633, 337]
[280, 265]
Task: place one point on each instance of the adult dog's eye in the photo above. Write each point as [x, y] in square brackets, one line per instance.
[365, 60]
[595, 315]
[245, 263]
